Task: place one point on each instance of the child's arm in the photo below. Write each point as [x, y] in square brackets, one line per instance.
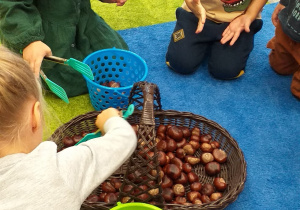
[242, 22]
[196, 7]
[86, 166]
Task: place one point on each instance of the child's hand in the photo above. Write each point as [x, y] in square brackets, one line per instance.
[276, 11]
[196, 7]
[34, 54]
[104, 116]
[234, 29]
[119, 2]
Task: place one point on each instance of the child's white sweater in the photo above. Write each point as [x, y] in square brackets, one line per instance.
[45, 179]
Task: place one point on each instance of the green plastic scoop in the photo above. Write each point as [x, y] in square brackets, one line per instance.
[55, 88]
[75, 64]
[125, 114]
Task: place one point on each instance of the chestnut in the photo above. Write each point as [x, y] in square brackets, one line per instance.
[178, 190]
[154, 191]
[195, 144]
[180, 200]
[110, 198]
[170, 155]
[191, 196]
[220, 184]
[196, 131]
[188, 148]
[183, 179]
[167, 194]
[205, 138]
[195, 138]
[116, 183]
[196, 186]
[175, 133]
[206, 147]
[205, 199]
[180, 153]
[215, 196]
[197, 201]
[186, 167]
[215, 144]
[186, 131]
[76, 138]
[219, 155]
[212, 168]
[171, 145]
[125, 199]
[166, 182]
[128, 189]
[177, 162]
[102, 196]
[161, 129]
[192, 159]
[173, 171]
[92, 199]
[206, 157]
[207, 189]
[181, 143]
[161, 145]
[68, 141]
[192, 177]
[162, 160]
[108, 187]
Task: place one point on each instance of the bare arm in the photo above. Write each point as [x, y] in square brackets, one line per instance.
[196, 7]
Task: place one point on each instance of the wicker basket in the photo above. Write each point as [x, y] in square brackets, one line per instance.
[149, 115]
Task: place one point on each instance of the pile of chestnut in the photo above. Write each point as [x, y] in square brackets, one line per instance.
[179, 150]
[109, 192]
[112, 84]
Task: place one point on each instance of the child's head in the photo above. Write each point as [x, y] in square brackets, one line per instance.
[20, 96]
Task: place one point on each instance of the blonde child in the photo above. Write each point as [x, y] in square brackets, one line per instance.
[32, 174]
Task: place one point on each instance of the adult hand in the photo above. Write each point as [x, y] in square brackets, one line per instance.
[104, 116]
[118, 2]
[234, 29]
[34, 54]
[196, 7]
[276, 11]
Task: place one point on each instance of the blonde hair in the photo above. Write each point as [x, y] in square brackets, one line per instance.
[18, 84]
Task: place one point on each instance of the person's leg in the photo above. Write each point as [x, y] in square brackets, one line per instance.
[280, 57]
[185, 52]
[228, 62]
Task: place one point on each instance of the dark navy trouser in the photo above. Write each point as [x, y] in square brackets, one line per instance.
[224, 61]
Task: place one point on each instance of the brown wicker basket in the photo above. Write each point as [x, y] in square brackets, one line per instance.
[149, 115]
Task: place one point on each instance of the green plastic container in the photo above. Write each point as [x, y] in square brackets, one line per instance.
[135, 206]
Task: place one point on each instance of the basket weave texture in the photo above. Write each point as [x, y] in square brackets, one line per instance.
[149, 115]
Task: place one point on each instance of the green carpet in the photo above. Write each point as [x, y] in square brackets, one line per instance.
[133, 14]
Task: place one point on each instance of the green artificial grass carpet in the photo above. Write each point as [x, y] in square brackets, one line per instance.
[133, 14]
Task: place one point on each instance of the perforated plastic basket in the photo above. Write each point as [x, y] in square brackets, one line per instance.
[116, 65]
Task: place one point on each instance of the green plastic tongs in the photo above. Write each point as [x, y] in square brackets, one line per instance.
[125, 114]
[75, 64]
